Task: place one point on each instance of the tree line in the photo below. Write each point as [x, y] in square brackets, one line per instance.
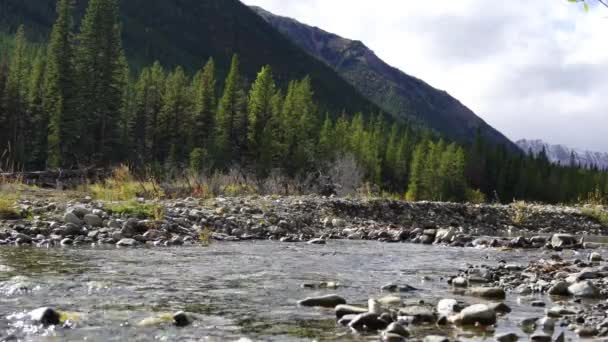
[75, 102]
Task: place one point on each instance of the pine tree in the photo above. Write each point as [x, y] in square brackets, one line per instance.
[260, 109]
[415, 190]
[37, 151]
[326, 145]
[231, 128]
[58, 93]
[15, 100]
[100, 79]
[175, 117]
[204, 107]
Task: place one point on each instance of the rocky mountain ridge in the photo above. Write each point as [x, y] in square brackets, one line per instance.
[565, 155]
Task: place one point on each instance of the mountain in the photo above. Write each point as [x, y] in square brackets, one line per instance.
[188, 32]
[399, 94]
[565, 155]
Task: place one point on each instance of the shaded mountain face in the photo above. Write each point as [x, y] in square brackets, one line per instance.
[399, 94]
[188, 32]
[565, 155]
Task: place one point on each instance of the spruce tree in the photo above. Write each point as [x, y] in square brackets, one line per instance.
[230, 129]
[260, 113]
[175, 118]
[36, 150]
[58, 93]
[100, 79]
[204, 107]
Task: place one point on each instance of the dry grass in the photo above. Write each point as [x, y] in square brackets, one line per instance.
[7, 206]
[520, 212]
[122, 186]
[597, 213]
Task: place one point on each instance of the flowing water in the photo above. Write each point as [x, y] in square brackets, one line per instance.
[236, 290]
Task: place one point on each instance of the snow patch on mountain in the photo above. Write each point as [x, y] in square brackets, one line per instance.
[565, 155]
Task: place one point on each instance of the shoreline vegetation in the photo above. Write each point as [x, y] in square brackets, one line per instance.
[64, 106]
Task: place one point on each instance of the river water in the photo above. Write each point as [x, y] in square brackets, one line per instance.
[236, 290]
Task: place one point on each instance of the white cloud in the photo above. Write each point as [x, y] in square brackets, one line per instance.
[532, 69]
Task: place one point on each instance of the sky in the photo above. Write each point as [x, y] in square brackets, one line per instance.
[532, 69]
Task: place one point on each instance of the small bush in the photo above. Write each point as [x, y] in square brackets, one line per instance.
[138, 210]
[7, 209]
[123, 187]
[519, 214]
[596, 213]
[475, 196]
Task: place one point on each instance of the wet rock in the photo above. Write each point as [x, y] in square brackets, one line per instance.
[460, 282]
[563, 240]
[45, 316]
[67, 242]
[418, 314]
[71, 229]
[398, 329]
[558, 311]
[93, 220]
[317, 242]
[584, 289]
[559, 289]
[398, 288]
[346, 319]
[448, 307]
[501, 308]
[390, 337]
[540, 337]
[475, 314]
[487, 292]
[538, 304]
[595, 257]
[436, 338]
[445, 235]
[507, 337]
[374, 306]
[587, 332]
[368, 322]
[547, 324]
[328, 301]
[181, 319]
[390, 301]
[127, 243]
[344, 309]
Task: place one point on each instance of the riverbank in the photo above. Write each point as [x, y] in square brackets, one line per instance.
[61, 221]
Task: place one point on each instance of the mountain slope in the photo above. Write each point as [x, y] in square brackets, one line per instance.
[394, 91]
[187, 32]
[564, 155]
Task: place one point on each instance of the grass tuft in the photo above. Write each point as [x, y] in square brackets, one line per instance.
[122, 186]
[596, 213]
[137, 210]
[7, 207]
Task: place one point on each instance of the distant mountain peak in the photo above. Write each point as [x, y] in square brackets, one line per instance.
[401, 95]
[565, 155]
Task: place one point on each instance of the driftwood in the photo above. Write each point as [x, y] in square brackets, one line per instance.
[59, 179]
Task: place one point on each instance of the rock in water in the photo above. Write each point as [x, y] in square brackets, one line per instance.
[507, 337]
[329, 301]
[368, 321]
[343, 310]
[559, 289]
[398, 329]
[448, 307]
[436, 338]
[563, 240]
[478, 313]
[181, 319]
[317, 242]
[127, 243]
[45, 316]
[488, 292]
[584, 289]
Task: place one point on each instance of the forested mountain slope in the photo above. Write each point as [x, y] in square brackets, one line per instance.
[188, 32]
[394, 91]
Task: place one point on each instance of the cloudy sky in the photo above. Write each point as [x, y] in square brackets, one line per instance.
[532, 69]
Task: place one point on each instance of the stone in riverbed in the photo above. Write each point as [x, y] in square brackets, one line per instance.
[72, 218]
[181, 319]
[448, 307]
[398, 329]
[418, 314]
[460, 282]
[586, 332]
[398, 288]
[346, 319]
[390, 301]
[436, 338]
[547, 324]
[563, 240]
[344, 309]
[127, 243]
[93, 220]
[475, 314]
[390, 337]
[559, 289]
[487, 292]
[67, 242]
[595, 257]
[328, 301]
[368, 321]
[45, 316]
[317, 242]
[540, 337]
[584, 289]
[500, 308]
[507, 337]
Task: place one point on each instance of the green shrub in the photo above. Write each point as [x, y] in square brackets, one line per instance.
[138, 210]
[596, 213]
[7, 207]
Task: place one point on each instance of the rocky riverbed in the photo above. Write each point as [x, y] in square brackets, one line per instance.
[527, 272]
[298, 219]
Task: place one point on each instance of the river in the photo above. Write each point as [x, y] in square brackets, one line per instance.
[237, 290]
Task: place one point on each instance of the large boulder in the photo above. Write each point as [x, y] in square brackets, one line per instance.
[584, 289]
[344, 309]
[70, 217]
[368, 321]
[93, 220]
[563, 241]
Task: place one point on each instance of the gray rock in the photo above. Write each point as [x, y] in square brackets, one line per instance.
[559, 289]
[436, 338]
[398, 288]
[547, 324]
[584, 289]
[396, 328]
[328, 301]
[368, 322]
[390, 337]
[127, 243]
[478, 313]
[595, 257]
[45, 316]
[460, 282]
[419, 314]
[501, 308]
[72, 218]
[93, 220]
[507, 337]
[346, 319]
[487, 292]
[317, 242]
[67, 242]
[563, 240]
[344, 309]
[540, 337]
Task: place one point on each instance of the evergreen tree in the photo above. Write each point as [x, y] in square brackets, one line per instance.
[58, 93]
[231, 128]
[260, 113]
[204, 107]
[175, 118]
[37, 149]
[100, 80]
